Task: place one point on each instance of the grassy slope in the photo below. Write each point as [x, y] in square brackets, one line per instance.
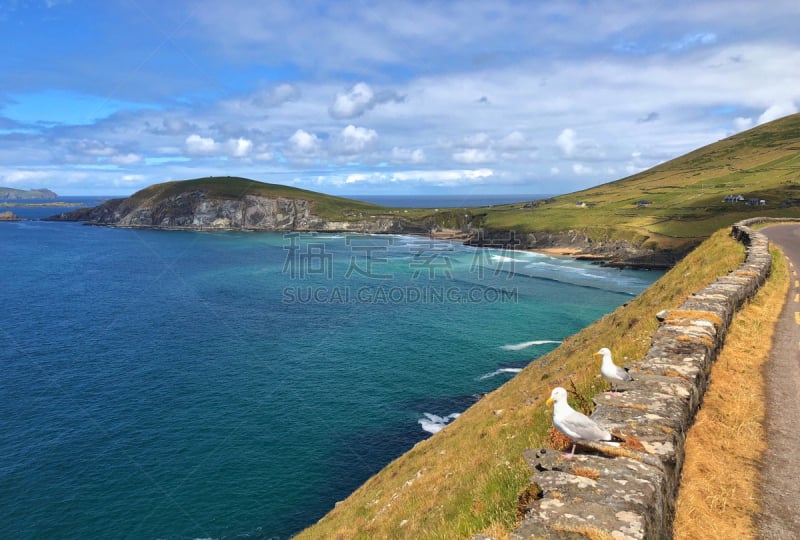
[231, 187]
[466, 479]
[686, 192]
[325, 206]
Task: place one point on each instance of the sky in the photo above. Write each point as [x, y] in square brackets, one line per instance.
[106, 97]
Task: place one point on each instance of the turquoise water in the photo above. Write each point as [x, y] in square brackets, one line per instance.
[184, 385]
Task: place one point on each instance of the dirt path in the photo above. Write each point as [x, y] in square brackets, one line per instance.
[781, 485]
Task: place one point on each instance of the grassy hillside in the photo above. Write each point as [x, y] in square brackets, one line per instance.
[231, 187]
[466, 478]
[682, 199]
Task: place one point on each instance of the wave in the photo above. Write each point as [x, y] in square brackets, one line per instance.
[526, 344]
[499, 372]
[502, 259]
[433, 423]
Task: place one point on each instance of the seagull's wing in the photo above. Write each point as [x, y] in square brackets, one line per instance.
[622, 374]
[580, 427]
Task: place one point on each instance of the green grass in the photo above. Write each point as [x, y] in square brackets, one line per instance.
[230, 187]
[686, 193]
[466, 479]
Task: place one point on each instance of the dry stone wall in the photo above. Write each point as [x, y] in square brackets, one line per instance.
[631, 494]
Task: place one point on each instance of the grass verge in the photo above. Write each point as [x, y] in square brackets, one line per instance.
[466, 479]
[718, 496]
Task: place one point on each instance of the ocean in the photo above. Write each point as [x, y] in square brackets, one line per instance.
[231, 385]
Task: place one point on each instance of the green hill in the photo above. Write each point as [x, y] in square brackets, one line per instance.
[231, 187]
[680, 202]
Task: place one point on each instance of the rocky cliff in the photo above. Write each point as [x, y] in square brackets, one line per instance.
[197, 210]
[618, 253]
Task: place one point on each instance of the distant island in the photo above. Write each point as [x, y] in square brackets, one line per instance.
[40, 204]
[17, 194]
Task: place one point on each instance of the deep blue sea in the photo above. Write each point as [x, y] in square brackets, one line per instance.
[230, 385]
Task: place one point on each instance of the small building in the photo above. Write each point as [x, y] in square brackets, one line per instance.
[643, 204]
[756, 202]
[733, 199]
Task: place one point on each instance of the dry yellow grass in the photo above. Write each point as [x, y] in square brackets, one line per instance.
[719, 489]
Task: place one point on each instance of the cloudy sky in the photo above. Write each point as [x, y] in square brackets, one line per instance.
[381, 97]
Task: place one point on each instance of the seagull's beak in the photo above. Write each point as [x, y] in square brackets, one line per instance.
[549, 401]
[597, 355]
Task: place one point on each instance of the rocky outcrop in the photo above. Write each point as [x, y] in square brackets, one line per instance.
[629, 493]
[617, 253]
[10, 216]
[195, 210]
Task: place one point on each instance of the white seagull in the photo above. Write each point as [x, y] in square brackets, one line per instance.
[612, 372]
[577, 426]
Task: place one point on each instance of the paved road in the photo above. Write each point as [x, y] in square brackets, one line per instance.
[781, 488]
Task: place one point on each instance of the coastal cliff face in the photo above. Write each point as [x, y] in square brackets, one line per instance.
[195, 210]
[618, 253]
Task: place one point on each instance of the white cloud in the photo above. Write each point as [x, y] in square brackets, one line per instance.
[20, 177]
[206, 146]
[197, 145]
[93, 148]
[779, 110]
[742, 124]
[353, 140]
[566, 140]
[474, 156]
[440, 178]
[582, 170]
[514, 141]
[358, 100]
[132, 178]
[126, 159]
[304, 142]
[407, 155]
[478, 139]
[693, 40]
[445, 177]
[355, 102]
[239, 147]
[278, 95]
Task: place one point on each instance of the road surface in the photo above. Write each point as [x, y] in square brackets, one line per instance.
[781, 482]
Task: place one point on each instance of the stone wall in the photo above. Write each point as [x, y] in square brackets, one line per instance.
[629, 493]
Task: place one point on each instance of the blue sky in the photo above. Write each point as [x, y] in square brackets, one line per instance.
[394, 97]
